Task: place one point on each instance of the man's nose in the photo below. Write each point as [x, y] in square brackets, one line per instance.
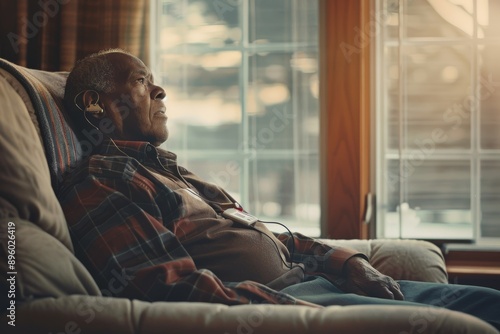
[157, 93]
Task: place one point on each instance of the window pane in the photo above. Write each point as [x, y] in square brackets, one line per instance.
[437, 18]
[490, 194]
[435, 201]
[488, 18]
[285, 190]
[391, 80]
[224, 172]
[199, 23]
[489, 97]
[390, 19]
[277, 21]
[283, 100]
[203, 99]
[436, 92]
[444, 19]
[437, 89]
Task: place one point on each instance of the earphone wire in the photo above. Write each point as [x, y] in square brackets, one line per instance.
[291, 266]
[76, 103]
[95, 127]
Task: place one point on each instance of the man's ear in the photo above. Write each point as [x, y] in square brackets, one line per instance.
[90, 99]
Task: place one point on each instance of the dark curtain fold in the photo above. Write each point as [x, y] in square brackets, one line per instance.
[52, 34]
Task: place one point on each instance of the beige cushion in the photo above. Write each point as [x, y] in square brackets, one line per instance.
[44, 266]
[25, 188]
[414, 260]
[85, 314]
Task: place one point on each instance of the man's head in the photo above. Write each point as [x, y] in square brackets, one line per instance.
[122, 86]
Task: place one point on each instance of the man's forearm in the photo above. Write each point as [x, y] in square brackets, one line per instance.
[317, 256]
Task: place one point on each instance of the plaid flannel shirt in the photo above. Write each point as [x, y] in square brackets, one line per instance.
[122, 222]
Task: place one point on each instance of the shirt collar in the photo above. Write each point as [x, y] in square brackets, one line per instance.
[139, 150]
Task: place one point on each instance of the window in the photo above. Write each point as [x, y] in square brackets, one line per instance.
[241, 78]
[438, 120]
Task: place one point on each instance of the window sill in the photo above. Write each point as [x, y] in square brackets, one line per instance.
[473, 264]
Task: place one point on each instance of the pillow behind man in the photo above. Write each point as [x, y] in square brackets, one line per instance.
[45, 264]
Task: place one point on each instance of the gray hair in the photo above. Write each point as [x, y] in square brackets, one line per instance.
[94, 72]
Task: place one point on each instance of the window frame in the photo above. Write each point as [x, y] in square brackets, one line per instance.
[474, 154]
[346, 148]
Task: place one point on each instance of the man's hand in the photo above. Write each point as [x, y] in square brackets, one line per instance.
[361, 278]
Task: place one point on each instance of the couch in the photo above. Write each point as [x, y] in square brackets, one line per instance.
[54, 293]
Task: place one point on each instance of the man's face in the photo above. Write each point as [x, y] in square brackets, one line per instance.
[135, 106]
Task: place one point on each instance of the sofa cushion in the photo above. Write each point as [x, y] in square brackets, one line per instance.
[415, 260]
[26, 190]
[44, 266]
[44, 262]
[46, 92]
[85, 314]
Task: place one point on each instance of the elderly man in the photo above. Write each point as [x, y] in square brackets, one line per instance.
[168, 235]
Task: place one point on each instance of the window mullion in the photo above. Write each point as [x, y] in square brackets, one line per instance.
[295, 93]
[475, 132]
[244, 78]
[401, 115]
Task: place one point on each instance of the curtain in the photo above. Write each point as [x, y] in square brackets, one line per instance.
[52, 34]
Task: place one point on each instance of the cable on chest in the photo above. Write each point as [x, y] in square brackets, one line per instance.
[244, 218]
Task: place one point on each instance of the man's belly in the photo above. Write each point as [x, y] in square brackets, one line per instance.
[237, 253]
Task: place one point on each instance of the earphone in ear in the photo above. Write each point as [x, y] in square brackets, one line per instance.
[94, 109]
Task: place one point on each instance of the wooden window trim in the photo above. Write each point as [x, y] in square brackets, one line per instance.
[345, 117]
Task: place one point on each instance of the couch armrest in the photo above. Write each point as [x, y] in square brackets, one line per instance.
[414, 260]
[86, 314]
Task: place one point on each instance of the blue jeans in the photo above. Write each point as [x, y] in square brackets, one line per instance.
[481, 302]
